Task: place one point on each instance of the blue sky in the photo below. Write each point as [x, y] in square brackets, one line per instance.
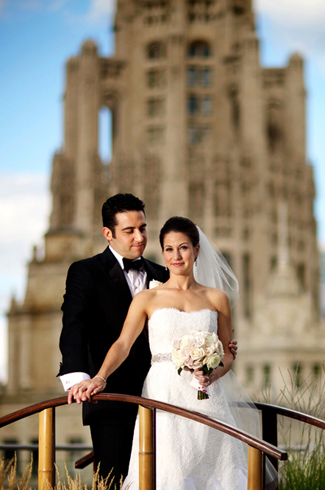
[36, 39]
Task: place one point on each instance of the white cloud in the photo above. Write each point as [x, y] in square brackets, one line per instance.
[24, 206]
[293, 13]
[100, 14]
[298, 25]
[24, 212]
[101, 9]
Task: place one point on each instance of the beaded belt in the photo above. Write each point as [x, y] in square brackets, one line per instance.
[161, 358]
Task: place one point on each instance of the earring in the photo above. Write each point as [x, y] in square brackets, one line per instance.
[166, 268]
[195, 261]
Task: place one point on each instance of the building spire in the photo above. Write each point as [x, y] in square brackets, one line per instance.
[283, 281]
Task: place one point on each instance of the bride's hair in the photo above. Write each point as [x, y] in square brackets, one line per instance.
[180, 225]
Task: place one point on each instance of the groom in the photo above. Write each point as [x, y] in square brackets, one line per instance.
[99, 291]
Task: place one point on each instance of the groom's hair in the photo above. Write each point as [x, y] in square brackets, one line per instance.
[180, 225]
[120, 203]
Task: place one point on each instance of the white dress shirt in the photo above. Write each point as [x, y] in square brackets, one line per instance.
[137, 282]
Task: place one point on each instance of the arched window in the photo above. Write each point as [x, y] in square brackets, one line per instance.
[156, 50]
[199, 49]
[274, 127]
[105, 134]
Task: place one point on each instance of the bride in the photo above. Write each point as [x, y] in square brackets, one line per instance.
[190, 456]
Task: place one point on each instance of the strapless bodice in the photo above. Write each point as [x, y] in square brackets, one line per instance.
[169, 324]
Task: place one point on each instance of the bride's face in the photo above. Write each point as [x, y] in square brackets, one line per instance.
[179, 253]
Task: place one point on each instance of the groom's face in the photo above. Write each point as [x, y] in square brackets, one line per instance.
[130, 238]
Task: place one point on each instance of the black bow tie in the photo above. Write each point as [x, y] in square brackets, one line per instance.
[133, 264]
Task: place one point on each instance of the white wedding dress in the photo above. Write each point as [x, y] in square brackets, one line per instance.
[190, 456]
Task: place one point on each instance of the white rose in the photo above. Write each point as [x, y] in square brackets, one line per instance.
[154, 284]
[210, 349]
[197, 353]
[212, 361]
[185, 341]
[176, 344]
[184, 352]
[219, 348]
[199, 339]
[177, 359]
[211, 338]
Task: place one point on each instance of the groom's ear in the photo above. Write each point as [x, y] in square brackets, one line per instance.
[107, 232]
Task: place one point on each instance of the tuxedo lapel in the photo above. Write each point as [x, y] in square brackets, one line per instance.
[115, 276]
[154, 273]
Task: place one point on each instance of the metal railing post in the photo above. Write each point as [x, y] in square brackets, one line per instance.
[254, 479]
[46, 449]
[147, 461]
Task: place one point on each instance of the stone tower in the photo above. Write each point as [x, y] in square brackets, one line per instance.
[200, 129]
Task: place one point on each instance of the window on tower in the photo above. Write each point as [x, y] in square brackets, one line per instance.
[198, 76]
[155, 107]
[191, 76]
[206, 77]
[193, 104]
[156, 50]
[197, 134]
[200, 49]
[206, 106]
[156, 78]
[155, 135]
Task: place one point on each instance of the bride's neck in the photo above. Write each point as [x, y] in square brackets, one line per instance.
[183, 283]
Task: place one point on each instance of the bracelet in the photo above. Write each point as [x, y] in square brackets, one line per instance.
[101, 377]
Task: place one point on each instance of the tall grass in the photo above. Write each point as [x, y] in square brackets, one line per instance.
[10, 481]
[8, 476]
[305, 444]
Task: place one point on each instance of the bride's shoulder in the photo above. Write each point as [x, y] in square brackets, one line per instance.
[218, 298]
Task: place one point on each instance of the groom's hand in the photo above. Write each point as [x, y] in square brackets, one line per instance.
[83, 391]
[233, 348]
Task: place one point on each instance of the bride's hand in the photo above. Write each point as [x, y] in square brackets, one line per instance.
[206, 379]
[84, 390]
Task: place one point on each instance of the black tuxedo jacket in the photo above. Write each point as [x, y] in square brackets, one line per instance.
[95, 305]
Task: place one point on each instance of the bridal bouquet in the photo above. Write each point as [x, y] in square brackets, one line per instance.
[198, 350]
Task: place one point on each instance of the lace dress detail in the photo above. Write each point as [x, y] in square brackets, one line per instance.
[190, 456]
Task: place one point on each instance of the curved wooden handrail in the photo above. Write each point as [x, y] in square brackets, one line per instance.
[287, 412]
[31, 410]
[216, 424]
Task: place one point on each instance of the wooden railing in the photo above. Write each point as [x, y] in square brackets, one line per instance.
[269, 429]
[147, 410]
[270, 423]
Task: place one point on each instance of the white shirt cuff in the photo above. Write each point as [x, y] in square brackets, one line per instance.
[71, 379]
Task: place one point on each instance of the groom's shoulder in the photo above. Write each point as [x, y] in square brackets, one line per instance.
[91, 262]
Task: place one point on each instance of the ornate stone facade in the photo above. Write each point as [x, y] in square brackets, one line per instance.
[200, 129]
